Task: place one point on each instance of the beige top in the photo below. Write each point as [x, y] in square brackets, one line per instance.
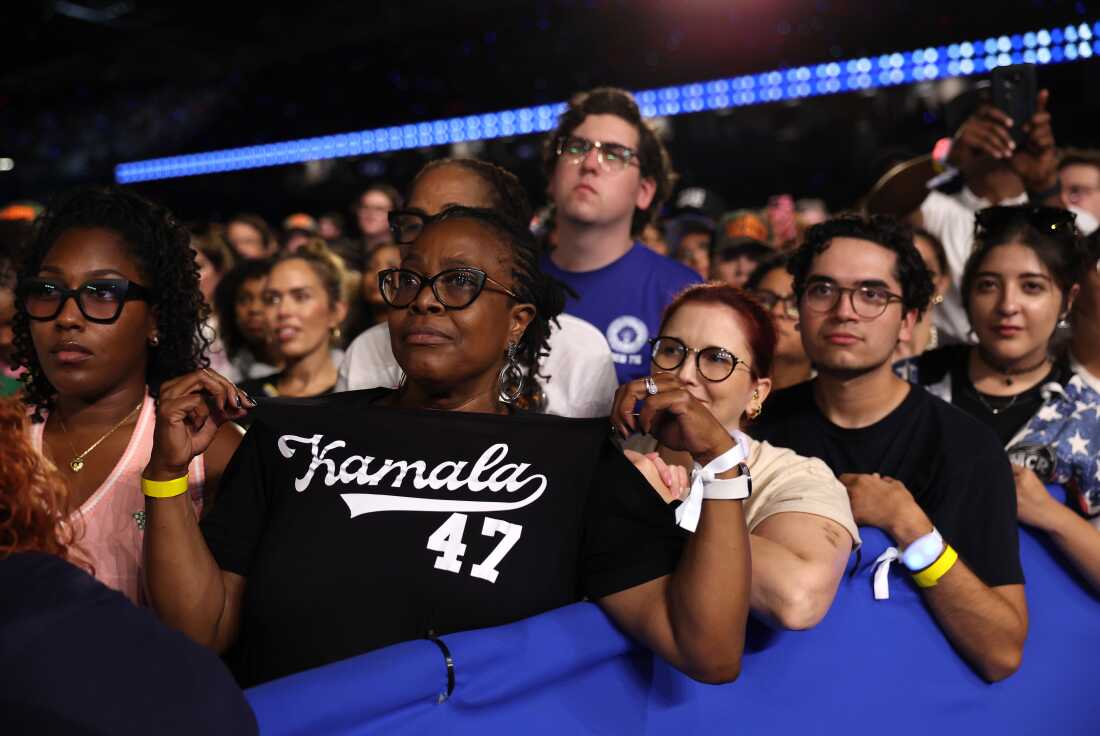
[783, 481]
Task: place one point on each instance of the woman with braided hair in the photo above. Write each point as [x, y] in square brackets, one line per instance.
[576, 379]
[109, 310]
[360, 519]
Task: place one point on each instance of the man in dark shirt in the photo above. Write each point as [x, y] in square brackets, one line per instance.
[934, 479]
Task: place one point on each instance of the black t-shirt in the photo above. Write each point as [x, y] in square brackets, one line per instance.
[952, 464]
[1007, 415]
[359, 525]
[78, 658]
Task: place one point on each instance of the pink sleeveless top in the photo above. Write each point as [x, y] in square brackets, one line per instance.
[111, 523]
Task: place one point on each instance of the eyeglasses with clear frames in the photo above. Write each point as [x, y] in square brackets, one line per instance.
[611, 156]
[867, 301]
[714, 363]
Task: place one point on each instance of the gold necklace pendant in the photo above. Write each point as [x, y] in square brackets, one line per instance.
[77, 463]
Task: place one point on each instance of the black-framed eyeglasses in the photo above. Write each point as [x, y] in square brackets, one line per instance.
[867, 301]
[405, 225]
[611, 156]
[455, 288]
[714, 363]
[768, 299]
[99, 300]
[1054, 220]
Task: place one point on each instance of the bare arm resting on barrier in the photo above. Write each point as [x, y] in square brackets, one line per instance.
[186, 587]
[1078, 539]
[695, 617]
[987, 625]
[797, 563]
[798, 558]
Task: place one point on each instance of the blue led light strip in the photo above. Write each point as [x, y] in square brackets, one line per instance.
[1054, 46]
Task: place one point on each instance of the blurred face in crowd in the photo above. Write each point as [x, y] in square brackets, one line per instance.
[734, 271]
[1081, 187]
[249, 307]
[654, 239]
[208, 276]
[81, 357]
[383, 257]
[247, 240]
[940, 279]
[776, 293]
[921, 338]
[296, 240]
[695, 253]
[1015, 304]
[372, 211]
[299, 310]
[588, 195]
[441, 348]
[7, 314]
[842, 340]
[1086, 308]
[701, 325]
[329, 229]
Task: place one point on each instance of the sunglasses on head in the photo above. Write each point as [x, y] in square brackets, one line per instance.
[1052, 220]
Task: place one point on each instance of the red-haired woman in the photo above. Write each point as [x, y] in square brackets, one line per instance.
[76, 656]
[715, 347]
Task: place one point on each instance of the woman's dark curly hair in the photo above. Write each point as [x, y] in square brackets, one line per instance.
[909, 270]
[161, 248]
[531, 286]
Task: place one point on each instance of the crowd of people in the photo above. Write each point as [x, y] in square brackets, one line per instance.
[682, 414]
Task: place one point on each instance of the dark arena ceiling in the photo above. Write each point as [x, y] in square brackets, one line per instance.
[87, 84]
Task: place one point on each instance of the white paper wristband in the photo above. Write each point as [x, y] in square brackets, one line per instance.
[703, 478]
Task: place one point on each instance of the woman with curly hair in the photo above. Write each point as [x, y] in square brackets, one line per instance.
[77, 657]
[109, 308]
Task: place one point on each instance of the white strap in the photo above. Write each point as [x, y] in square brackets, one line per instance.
[882, 573]
[687, 514]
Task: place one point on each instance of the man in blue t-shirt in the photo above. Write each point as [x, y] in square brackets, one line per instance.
[609, 174]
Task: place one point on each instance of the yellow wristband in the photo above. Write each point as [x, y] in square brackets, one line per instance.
[164, 488]
[929, 576]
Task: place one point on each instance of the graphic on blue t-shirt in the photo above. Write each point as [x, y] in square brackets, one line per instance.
[624, 300]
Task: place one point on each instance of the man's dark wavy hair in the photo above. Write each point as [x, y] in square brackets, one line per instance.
[910, 271]
[160, 245]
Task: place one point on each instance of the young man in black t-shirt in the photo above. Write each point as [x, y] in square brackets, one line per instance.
[928, 475]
